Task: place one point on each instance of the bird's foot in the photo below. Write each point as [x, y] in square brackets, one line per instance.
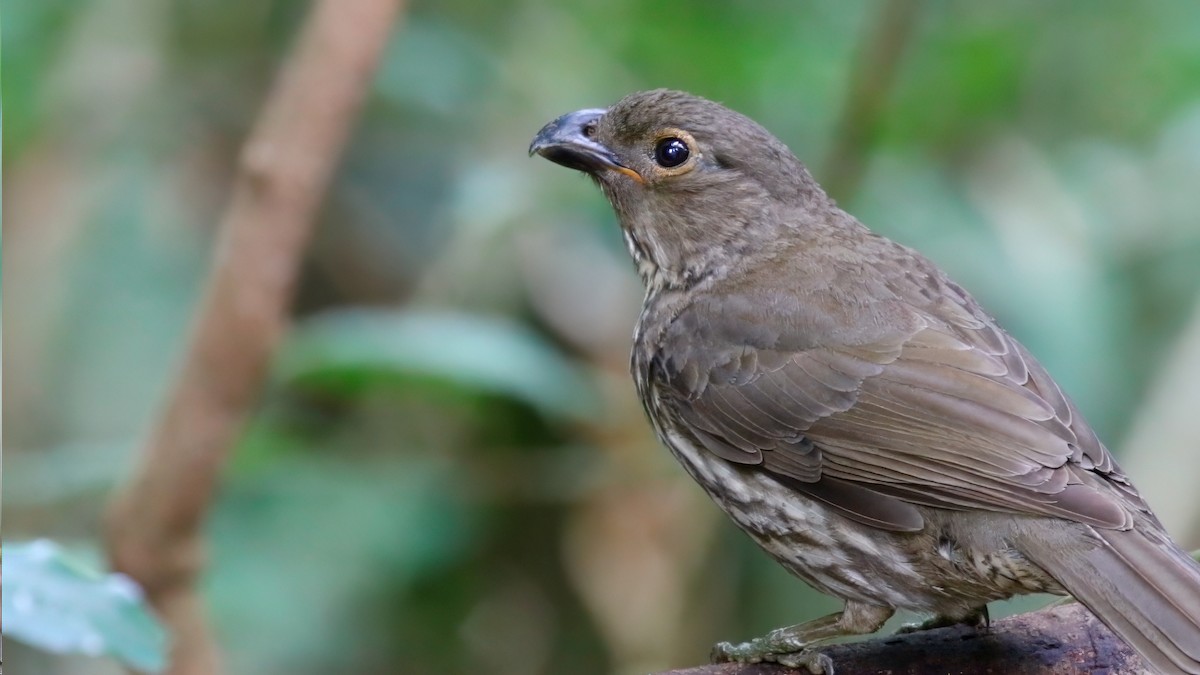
[778, 646]
[978, 620]
[795, 646]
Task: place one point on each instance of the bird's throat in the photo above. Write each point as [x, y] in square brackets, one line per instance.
[647, 268]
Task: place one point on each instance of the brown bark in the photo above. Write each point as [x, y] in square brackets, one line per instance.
[1058, 640]
[153, 523]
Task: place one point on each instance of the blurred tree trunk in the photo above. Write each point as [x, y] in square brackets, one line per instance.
[153, 524]
[871, 80]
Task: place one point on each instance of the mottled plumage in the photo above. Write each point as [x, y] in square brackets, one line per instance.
[852, 408]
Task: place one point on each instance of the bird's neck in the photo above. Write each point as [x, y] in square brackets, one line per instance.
[673, 252]
[674, 247]
[678, 238]
[655, 262]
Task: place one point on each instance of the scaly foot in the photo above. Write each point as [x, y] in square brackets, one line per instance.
[775, 647]
[795, 646]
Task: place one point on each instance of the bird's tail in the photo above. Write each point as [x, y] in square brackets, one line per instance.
[1142, 586]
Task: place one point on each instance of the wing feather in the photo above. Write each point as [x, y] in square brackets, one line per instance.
[954, 415]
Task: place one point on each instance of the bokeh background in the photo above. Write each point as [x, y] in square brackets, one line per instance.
[449, 472]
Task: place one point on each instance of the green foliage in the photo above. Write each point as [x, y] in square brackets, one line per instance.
[60, 605]
[348, 351]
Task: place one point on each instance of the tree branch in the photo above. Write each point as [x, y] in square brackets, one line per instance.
[153, 523]
[870, 81]
[1057, 640]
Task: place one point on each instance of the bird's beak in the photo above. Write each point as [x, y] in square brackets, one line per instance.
[569, 141]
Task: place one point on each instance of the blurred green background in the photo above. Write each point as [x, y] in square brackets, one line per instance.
[449, 472]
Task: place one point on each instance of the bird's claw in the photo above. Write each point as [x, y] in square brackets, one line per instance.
[816, 662]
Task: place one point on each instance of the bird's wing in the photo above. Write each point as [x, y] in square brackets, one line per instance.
[953, 413]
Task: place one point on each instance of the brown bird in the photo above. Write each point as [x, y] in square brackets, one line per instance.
[854, 410]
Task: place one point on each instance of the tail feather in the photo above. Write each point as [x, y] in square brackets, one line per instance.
[1141, 586]
[1169, 575]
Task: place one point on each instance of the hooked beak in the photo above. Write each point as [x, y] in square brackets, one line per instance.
[569, 141]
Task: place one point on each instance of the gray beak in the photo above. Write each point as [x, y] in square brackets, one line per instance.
[569, 141]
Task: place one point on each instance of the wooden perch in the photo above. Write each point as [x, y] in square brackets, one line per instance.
[1057, 640]
[153, 524]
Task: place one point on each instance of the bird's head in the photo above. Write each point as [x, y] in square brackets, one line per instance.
[688, 178]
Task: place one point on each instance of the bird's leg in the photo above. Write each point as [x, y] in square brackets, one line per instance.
[977, 618]
[793, 646]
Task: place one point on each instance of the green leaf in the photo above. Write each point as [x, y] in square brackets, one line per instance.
[57, 604]
[353, 349]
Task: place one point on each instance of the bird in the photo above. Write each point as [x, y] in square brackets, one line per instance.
[852, 408]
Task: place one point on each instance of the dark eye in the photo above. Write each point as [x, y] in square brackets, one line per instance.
[671, 152]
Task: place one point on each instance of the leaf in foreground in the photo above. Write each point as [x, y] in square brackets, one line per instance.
[54, 603]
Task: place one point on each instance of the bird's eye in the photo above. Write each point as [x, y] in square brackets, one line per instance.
[671, 152]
